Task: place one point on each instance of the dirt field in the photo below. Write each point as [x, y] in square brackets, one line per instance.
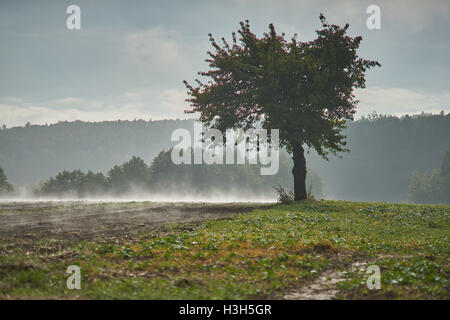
[146, 250]
[84, 220]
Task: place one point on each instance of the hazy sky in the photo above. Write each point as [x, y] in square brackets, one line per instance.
[130, 57]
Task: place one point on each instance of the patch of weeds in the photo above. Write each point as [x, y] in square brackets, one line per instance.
[284, 197]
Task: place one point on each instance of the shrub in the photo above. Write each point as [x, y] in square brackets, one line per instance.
[284, 197]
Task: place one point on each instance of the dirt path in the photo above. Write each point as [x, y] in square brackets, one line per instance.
[84, 219]
[325, 286]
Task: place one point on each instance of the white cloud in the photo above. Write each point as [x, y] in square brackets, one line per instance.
[148, 103]
[67, 101]
[169, 104]
[137, 104]
[156, 49]
[398, 101]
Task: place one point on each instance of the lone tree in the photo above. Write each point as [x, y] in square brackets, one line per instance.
[304, 89]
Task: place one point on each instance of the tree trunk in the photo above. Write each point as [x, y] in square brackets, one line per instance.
[299, 171]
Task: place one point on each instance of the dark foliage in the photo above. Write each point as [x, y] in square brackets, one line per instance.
[432, 187]
[5, 186]
[303, 89]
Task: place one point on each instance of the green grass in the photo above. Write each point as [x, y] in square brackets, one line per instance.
[262, 254]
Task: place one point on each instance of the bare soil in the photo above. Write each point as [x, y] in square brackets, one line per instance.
[84, 220]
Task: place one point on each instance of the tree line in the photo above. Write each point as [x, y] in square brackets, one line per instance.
[384, 152]
[163, 177]
[35, 152]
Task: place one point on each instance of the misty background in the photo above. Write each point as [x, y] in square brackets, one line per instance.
[385, 152]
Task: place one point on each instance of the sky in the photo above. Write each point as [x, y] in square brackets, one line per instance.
[129, 58]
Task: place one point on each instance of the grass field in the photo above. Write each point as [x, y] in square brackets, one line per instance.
[311, 249]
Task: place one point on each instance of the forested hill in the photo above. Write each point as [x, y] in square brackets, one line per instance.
[31, 153]
[385, 151]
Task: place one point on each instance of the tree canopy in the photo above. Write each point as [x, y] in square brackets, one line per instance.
[303, 89]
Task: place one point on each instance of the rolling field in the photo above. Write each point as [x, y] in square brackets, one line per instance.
[307, 250]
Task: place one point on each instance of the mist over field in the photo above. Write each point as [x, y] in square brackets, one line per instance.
[137, 195]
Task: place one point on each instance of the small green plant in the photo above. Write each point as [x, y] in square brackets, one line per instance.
[284, 197]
